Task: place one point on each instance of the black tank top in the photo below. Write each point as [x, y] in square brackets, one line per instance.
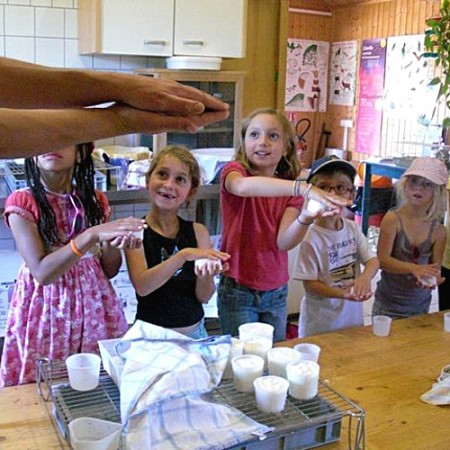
[174, 304]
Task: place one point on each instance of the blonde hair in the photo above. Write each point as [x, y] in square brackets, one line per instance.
[289, 165]
[438, 205]
[184, 156]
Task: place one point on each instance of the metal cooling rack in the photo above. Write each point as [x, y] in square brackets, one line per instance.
[302, 424]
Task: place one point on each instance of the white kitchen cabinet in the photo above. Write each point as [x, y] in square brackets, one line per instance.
[208, 28]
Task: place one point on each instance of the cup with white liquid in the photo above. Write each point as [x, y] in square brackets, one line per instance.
[237, 349]
[246, 369]
[303, 377]
[270, 393]
[279, 357]
[252, 329]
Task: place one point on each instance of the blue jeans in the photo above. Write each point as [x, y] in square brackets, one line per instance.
[238, 304]
[199, 332]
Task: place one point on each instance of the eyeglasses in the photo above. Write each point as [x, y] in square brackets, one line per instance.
[77, 219]
[339, 189]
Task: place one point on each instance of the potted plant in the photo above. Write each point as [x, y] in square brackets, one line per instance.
[437, 44]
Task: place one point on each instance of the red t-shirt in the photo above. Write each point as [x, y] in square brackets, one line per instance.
[249, 235]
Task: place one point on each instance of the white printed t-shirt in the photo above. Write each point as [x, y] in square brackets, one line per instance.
[333, 257]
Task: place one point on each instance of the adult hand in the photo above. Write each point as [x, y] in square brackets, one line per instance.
[140, 121]
[163, 96]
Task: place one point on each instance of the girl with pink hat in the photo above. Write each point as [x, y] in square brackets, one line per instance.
[412, 241]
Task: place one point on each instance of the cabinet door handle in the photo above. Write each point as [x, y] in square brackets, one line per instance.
[151, 42]
[193, 43]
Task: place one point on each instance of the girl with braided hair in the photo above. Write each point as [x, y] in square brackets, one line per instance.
[63, 302]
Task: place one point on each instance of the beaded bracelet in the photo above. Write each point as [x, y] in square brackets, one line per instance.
[75, 249]
[295, 191]
[306, 224]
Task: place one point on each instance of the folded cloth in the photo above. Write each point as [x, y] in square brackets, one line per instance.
[439, 394]
[163, 390]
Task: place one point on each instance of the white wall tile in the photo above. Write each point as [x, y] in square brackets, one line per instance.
[2, 46]
[50, 52]
[106, 62]
[22, 48]
[62, 4]
[19, 2]
[71, 23]
[2, 22]
[73, 59]
[50, 22]
[132, 62]
[19, 21]
[4, 2]
[41, 2]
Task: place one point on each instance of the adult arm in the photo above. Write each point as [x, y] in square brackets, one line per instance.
[43, 108]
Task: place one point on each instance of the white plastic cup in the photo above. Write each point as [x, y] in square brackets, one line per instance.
[303, 377]
[447, 322]
[278, 358]
[257, 345]
[246, 369]
[270, 393]
[237, 349]
[89, 433]
[308, 352]
[83, 370]
[252, 329]
[381, 325]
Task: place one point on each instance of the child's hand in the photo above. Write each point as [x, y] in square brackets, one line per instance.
[362, 289]
[119, 230]
[426, 274]
[333, 203]
[217, 260]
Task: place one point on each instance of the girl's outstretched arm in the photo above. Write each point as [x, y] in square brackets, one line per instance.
[46, 267]
[258, 186]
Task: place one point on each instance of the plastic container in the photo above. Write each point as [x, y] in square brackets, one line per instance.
[89, 433]
[193, 62]
[84, 371]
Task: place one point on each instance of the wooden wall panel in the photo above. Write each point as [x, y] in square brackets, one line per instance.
[364, 20]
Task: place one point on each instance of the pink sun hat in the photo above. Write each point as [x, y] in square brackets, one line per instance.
[433, 169]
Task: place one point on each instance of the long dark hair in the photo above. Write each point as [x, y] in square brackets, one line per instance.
[83, 183]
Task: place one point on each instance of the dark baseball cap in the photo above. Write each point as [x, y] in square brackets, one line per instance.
[332, 161]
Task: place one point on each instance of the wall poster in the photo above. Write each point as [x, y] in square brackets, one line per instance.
[306, 75]
[370, 104]
[343, 73]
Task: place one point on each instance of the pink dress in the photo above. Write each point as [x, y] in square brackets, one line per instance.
[67, 316]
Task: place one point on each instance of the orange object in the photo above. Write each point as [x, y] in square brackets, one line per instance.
[378, 181]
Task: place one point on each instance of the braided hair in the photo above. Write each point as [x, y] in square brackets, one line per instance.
[83, 182]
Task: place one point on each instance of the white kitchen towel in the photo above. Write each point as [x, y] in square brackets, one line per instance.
[164, 392]
[439, 394]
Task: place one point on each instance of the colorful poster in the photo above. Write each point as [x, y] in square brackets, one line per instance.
[408, 73]
[343, 73]
[306, 75]
[370, 104]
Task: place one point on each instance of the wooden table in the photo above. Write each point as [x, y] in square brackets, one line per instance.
[385, 376]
